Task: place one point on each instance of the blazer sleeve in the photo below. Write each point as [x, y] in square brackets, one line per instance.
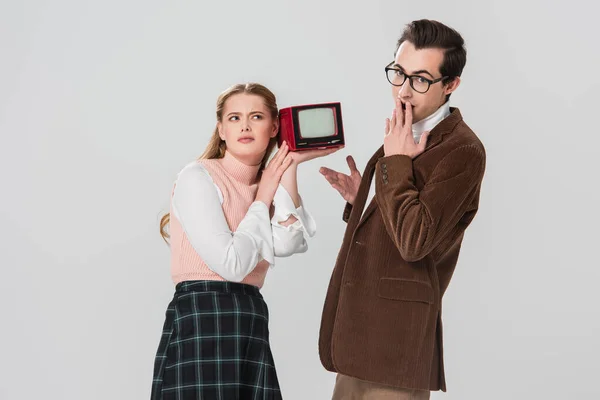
[347, 211]
[417, 221]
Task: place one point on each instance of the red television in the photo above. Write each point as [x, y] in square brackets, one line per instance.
[311, 126]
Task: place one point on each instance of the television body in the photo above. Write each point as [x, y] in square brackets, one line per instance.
[311, 126]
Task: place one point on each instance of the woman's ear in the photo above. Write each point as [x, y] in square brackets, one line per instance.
[275, 129]
[220, 129]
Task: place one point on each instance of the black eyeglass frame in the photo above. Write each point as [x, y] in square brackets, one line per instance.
[429, 81]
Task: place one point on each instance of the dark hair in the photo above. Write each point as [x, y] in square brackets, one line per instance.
[427, 34]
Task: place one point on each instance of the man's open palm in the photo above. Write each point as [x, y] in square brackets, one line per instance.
[346, 185]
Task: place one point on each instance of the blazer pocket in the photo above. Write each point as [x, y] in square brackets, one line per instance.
[405, 290]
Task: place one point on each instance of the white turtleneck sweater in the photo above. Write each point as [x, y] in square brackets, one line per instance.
[428, 123]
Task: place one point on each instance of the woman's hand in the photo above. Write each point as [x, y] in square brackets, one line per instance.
[271, 175]
[301, 156]
[290, 180]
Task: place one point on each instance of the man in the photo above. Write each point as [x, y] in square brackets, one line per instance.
[381, 328]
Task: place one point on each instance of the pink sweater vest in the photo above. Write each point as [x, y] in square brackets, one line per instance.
[238, 185]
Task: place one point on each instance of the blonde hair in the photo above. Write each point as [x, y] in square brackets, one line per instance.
[216, 146]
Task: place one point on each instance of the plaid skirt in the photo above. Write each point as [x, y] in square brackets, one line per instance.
[215, 345]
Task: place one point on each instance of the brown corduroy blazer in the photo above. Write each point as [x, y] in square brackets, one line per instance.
[382, 319]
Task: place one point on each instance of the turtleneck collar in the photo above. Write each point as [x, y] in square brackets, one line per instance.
[427, 124]
[241, 172]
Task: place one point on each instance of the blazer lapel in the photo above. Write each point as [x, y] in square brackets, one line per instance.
[370, 208]
[363, 191]
[446, 126]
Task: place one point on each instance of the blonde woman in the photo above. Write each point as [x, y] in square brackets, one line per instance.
[232, 212]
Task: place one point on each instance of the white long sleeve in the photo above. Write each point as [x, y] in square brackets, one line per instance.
[291, 239]
[232, 255]
[197, 204]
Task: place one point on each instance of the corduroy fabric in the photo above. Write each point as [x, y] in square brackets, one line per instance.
[382, 317]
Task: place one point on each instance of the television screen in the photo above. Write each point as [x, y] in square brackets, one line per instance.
[317, 122]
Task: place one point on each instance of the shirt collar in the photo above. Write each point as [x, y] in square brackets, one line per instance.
[428, 123]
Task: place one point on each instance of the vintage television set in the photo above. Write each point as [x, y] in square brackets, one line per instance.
[311, 126]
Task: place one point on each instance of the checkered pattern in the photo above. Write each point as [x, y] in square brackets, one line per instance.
[215, 345]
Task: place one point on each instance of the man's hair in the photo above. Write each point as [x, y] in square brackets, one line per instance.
[427, 34]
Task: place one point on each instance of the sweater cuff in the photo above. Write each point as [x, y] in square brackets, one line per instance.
[285, 207]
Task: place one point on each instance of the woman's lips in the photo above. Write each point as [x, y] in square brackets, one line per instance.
[245, 140]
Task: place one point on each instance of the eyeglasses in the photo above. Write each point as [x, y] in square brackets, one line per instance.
[419, 84]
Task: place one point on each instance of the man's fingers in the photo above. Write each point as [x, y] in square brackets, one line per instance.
[338, 188]
[331, 176]
[327, 172]
[351, 164]
[408, 115]
[399, 113]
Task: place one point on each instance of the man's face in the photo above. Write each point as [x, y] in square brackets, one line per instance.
[426, 64]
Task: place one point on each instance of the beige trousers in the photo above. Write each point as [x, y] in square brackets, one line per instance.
[348, 388]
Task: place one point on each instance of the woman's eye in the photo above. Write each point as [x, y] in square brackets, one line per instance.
[234, 118]
[257, 116]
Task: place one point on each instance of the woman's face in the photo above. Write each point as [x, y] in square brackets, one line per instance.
[247, 127]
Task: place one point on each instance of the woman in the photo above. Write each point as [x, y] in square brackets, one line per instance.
[224, 235]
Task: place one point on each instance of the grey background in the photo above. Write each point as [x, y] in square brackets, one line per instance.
[101, 104]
